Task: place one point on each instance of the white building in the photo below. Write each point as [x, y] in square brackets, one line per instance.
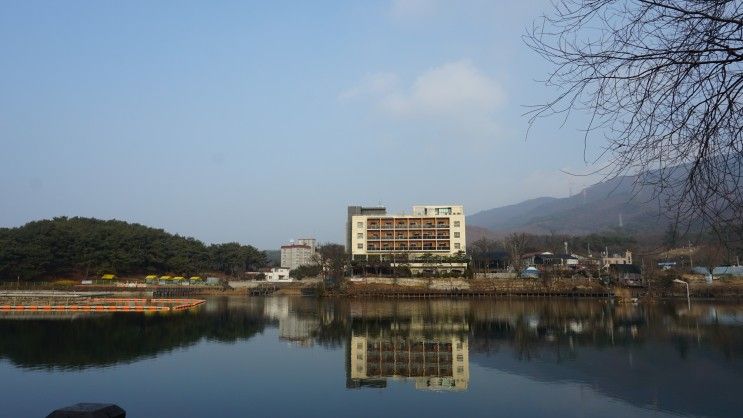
[429, 229]
[277, 274]
[607, 260]
[310, 242]
[299, 253]
[434, 233]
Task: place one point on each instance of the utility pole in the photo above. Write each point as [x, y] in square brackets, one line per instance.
[691, 261]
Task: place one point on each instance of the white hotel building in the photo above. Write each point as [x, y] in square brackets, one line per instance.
[436, 230]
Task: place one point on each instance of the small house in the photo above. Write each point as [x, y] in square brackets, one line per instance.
[730, 271]
[277, 274]
[627, 274]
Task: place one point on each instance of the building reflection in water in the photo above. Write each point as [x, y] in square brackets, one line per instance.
[426, 344]
[293, 328]
[439, 364]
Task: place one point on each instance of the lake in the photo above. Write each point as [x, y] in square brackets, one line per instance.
[283, 357]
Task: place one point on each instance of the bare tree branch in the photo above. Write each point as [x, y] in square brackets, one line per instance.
[661, 80]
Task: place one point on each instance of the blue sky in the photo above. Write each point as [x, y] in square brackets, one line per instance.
[259, 122]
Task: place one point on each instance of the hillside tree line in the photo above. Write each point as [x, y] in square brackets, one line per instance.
[84, 247]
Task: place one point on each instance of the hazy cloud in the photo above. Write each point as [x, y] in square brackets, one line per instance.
[455, 87]
[456, 94]
[373, 85]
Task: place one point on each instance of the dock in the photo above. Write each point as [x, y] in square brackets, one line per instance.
[55, 301]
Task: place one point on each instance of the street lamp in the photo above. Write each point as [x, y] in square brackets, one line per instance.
[688, 300]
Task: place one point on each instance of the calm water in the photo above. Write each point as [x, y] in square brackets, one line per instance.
[284, 357]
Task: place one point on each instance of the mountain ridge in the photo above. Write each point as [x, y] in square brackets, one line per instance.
[604, 206]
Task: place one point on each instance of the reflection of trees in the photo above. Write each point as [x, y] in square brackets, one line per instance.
[334, 324]
[525, 341]
[529, 328]
[107, 340]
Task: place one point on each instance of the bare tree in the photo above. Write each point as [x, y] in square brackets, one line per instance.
[479, 250]
[334, 261]
[515, 244]
[710, 256]
[662, 81]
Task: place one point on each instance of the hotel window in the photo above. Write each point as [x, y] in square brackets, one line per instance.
[456, 235]
[460, 357]
[360, 235]
[360, 246]
[456, 224]
[359, 224]
[457, 246]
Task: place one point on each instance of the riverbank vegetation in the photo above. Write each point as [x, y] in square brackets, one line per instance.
[85, 246]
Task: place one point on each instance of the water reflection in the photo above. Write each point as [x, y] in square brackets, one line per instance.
[661, 357]
[424, 343]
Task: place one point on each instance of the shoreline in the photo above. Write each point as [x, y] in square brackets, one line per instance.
[416, 288]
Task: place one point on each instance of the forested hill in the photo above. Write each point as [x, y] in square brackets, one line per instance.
[79, 246]
[607, 206]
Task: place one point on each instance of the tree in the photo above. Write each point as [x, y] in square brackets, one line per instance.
[662, 81]
[710, 256]
[515, 244]
[334, 262]
[82, 246]
[301, 272]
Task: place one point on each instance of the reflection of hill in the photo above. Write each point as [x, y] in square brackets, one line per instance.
[107, 340]
[647, 356]
[653, 375]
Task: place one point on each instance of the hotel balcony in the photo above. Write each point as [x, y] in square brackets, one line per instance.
[378, 224]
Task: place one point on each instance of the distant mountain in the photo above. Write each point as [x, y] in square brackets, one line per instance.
[601, 207]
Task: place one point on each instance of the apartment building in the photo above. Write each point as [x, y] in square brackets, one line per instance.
[299, 253]
[360, 211]
[428, 230]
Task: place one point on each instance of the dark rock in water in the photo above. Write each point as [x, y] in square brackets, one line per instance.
[89, 410]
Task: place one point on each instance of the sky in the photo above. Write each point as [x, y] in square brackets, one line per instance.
[260, 122]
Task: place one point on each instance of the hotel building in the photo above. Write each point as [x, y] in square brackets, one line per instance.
[299, 253]
[438, 230]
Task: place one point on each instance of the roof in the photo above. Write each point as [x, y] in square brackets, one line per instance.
[700, 270]
[532, 254]
[731, 270]
[566, 256]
